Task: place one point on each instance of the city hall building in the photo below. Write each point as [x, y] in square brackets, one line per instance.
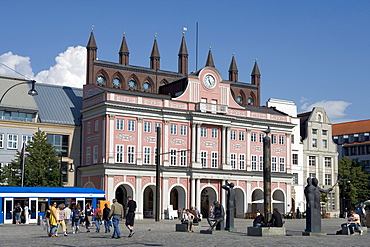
[211, 133]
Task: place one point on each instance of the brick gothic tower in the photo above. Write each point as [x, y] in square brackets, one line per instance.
[91, 57]
[155, 58]
[124, 53]
[256, 80]
[233, 71]
[183, 57]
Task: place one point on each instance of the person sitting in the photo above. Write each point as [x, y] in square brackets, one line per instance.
[189, 217]
[276, 220]
[353, 222]
[196, 214]
[259, 220]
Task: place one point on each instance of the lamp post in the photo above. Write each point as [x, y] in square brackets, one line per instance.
[32, 91]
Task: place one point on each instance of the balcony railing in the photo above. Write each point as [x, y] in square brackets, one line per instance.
[213, 108]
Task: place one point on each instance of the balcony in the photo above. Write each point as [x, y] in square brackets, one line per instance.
[213, 108]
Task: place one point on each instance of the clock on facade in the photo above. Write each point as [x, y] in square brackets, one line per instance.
[209, 81]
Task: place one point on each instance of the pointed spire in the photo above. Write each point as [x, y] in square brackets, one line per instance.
[233, 70]
[183, 49]
[210, 62]
[155, 51]
[91, 45]
[256, 71]
[124, 52]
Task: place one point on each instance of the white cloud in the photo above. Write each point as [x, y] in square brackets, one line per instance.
[334, 109]
[69, 70]
[17, 63]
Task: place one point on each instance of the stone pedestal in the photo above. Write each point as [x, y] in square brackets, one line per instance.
[266, 231]
[181, 227]
[313, 233]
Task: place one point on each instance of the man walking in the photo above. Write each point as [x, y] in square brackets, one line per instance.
[67, 216]
[117, 214]
[130, 217]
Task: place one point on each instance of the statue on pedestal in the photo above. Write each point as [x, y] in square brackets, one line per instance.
[229, 205]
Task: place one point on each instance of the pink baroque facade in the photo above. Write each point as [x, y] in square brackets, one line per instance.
[211, 133]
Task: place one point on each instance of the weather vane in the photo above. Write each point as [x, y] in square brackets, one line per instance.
[124, 31]
[184, 29]
[92, 28]
[155, 35]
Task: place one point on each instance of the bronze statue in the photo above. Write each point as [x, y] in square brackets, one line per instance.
[229, 205]
[219, 214]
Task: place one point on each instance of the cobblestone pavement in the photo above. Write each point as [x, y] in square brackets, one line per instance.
[151, 233]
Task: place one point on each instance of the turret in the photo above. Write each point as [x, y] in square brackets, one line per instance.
[123, 52]
[155, 58]
[183, 57]
[233, 71]
[91, 57]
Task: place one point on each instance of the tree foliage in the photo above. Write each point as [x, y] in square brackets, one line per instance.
[41, 167]
[354, 180]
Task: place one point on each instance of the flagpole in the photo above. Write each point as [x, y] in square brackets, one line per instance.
[22, 152]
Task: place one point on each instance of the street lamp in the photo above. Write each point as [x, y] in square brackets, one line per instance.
[32, 91]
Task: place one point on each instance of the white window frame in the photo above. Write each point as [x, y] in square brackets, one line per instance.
[173, 129]
[95, 154]
[273, 139]
[157, 125]
[147, 127]
[273, 164]
[261, 163]
[311, 160]
[281, 140]
[96, 125]
[261, 136]
[214, 159]
[325, 143]
[203, 158]
[119, 153]
[88, 127]
[254, 162]
[2, 140]
[233, 161]
[233, 135]
[12, 141]
[214, 133]
[327, 161]
[88, 155]
[282, 164]
[26, 139]
[131, 154]
[173, 157]
[203, 132]
[241, 135]
[183, 130]
[314, 142]
[253, 137]
[183, 159]
[146, 155]
[131, 125]
[295, 159]
[120, 124]
[328, 179]
[241, 161]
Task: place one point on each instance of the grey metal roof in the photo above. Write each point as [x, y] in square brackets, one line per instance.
[59, 104]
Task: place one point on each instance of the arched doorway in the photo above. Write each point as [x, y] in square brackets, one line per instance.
[278, 201]
[121, 194]
[178, 197]
[208, 196]
[148, 205]
[257, 201]
[239, 203]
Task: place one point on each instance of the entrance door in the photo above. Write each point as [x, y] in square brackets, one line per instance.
[33, 208]
[81, 202]
[8, 208]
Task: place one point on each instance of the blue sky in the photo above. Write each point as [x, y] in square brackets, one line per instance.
[315, 53]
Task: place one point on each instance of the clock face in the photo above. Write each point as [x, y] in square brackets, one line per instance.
[209, 81]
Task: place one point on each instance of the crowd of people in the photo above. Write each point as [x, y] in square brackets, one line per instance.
[57, 218]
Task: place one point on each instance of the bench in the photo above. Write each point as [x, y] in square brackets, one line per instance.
[345, 230]
[183, 227]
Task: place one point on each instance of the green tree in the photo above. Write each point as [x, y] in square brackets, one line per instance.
[358, 188]
[41, 167]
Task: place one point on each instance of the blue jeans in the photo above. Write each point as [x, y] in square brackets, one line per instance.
[52, 229]
[76, 225]
[107, 225]
[115, 221]
[97, 224]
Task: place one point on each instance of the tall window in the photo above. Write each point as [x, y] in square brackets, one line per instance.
[295, 159]
[324, 143]
[214, 133]
[96, 126]
[95, 155]
[281, 140]
[88, 155]
[253, 137]
[214, 160]
[327, 179]
[173, 129]
[26, 139]
[273, 164]
[203, 132]
[241, 136]
[120, 124]
[131, 154]
[273, 139]
[12, 141]
[88, 127]
[233, 135]
[157, 125]
[327, 161]
[119, 153]
[146, 159]
[261, 163]
[1, 140]
[183, 130]
[261, 136]
[233, 161]
[312, 161]
[59, 142]
[324, 132]
[241, 161]
[131, 125]
[314, 131]
[147, 127]
[282, 164]
[183, 157]
[295, 178]
[254, 162]
[292, 139]
[314, 142]
[173, 158]
[203, 158]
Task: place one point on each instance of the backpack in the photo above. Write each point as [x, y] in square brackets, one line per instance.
[76, 215]
[17, 209]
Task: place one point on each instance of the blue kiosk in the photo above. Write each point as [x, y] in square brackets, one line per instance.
[38, 199]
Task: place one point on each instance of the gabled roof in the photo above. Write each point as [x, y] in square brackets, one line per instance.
[362, 126]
